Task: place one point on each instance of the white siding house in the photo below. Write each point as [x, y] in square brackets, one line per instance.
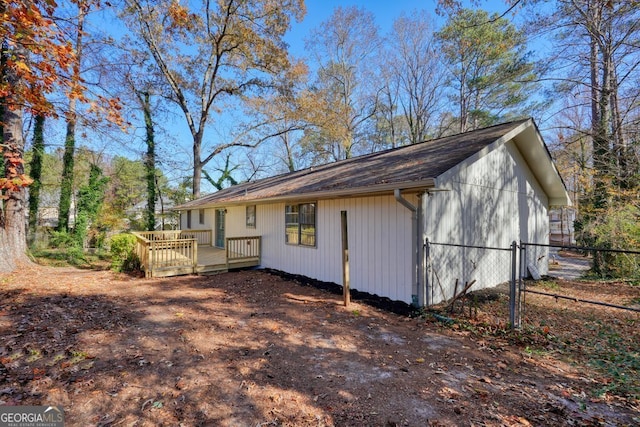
[487, 187]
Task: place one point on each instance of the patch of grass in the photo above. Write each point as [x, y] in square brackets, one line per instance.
[78, 356]
[71, 257]
[535, 351]
[57, 358]
[34, 354]
[616, 357]
[549, 285]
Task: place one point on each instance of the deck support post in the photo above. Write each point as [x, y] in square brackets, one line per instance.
[195, 256]
[346, 291]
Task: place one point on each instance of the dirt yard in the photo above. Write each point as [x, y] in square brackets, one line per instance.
[252, 349]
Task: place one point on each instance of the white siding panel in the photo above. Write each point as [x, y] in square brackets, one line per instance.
[195, 220]
[490, 202]
[380, 244]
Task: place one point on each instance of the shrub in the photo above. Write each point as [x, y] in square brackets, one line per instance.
[61, 240]
[618, 230]
[123, 256]
[68, 246]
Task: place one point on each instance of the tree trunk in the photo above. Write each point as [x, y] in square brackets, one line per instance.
[150, 163]
[291, 165]
[197, 166]
[162, 225]
[601, 139]
[36, 174]
[463, 106]
[66, 186]
[13, 239]
[599, 110]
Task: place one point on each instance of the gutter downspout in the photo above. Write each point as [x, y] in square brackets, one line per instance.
[416, 232]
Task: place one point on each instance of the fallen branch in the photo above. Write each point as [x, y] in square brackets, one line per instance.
[461, 294]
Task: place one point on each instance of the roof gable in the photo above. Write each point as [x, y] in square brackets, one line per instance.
[409, 167]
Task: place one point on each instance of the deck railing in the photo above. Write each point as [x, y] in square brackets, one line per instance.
[166, 254]
[241, 249]
[174, 252]
[202, 236]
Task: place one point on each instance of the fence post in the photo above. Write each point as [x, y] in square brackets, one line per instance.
[522, 265]
[513, 289]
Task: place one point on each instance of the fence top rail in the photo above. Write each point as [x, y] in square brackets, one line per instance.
[243, 238]
[586, 301]
[582, 248]
[428, 242]
[141, 236]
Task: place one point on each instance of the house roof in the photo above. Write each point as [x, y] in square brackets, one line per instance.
[412, 167]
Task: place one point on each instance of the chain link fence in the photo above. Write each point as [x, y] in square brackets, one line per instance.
[454, 271]
[597, 277]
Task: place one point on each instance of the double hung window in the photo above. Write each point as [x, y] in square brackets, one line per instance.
[300, 224]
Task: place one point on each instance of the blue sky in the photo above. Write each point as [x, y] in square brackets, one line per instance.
[318, 11]
[385, 11]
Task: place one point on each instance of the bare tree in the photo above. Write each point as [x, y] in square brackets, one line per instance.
[595, 68]
[417, 72]
[221, 50]
[282, 115]
[347, 86]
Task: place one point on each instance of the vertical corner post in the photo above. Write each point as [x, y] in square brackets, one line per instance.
[345, 259]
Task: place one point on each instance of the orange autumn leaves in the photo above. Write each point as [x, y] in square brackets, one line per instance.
[15, 179]
[43, 60]
[39, 59]
[36, 54]
[35, 59]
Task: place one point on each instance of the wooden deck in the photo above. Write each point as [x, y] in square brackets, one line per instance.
[164, 254]
[213, 260]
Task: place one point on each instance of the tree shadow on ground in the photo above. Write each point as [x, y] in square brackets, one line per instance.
[248, 348]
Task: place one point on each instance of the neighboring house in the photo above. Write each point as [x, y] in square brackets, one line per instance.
[165, 216]
[561, 226]
[487, 187]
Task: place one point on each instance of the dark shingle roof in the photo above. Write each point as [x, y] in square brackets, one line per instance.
[404, 167]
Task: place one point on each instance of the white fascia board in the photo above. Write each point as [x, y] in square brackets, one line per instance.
[538, 158]
[389, 188]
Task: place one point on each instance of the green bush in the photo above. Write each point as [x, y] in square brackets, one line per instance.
[123, 256]
[619, 230]
[68, 246]
[62, 240]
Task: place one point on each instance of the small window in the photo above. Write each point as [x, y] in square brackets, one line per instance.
[300, 224]
[188, 220]
[201, 216]
[251, 216]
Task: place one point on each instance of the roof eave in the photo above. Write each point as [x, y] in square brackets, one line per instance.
[381, 189]
[540, 162]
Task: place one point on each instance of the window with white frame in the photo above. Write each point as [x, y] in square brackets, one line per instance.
[300, 224]
[201, 216]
